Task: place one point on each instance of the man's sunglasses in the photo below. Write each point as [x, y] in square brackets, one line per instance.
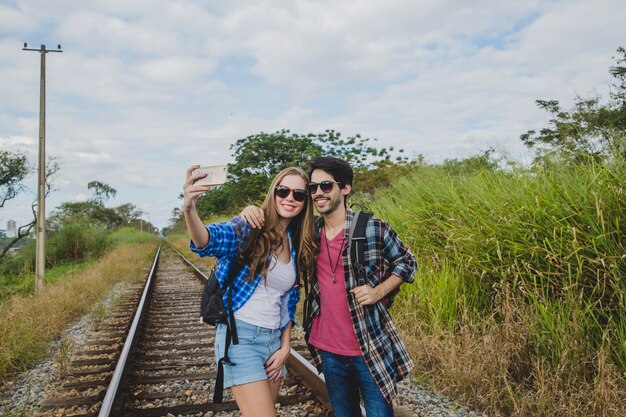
[326, 186]
[283, 191]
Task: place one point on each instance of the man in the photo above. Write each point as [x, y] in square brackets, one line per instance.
[351, 336]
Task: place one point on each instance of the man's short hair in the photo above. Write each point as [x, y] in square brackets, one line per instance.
[340, 170]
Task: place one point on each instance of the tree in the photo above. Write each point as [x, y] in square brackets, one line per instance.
[591, 130]
[258, 158]
[128, 212]
[355, 150]
[93, 211]
[52, 167]
[269, 153]
[619, 74]
[102, 191]
[13, 169]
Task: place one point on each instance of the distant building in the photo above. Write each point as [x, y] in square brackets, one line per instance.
[3, 233]
[11, 228]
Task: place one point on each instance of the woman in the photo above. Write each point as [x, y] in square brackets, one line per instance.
[265, 290]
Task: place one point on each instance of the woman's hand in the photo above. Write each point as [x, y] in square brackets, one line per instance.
[191, 192]
[275, 363]
[254, 216]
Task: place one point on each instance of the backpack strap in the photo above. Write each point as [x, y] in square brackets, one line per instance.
[218, 392]
[231, 315]
[231, 333]
[357, 242]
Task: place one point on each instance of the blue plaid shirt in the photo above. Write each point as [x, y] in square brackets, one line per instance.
[225, 241]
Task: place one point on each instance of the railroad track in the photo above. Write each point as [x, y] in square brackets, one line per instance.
[153, 356]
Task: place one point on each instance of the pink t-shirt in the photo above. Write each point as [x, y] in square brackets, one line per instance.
[332, 330]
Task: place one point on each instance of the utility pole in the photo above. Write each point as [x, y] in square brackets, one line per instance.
[40, 263]
[141, 221]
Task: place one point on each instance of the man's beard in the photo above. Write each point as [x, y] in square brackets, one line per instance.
[333, 204]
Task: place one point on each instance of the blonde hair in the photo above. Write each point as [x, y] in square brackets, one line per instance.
[263, 242]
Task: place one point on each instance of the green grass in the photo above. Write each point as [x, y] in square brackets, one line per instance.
[128, 235]
[20, 284]
[17, 270]
[530, 258]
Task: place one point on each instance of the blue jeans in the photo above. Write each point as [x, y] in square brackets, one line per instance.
[346, 377]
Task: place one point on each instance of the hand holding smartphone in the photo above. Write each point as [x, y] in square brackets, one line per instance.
[215, 175]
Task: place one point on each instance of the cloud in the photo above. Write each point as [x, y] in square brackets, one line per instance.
[144, 89]
[91, 157]
[16, 142]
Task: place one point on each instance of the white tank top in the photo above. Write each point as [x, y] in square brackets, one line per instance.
[263, 307]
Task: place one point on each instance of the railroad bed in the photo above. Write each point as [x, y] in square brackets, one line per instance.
[159, 360]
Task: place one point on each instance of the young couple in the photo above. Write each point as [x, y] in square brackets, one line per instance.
[348, 330]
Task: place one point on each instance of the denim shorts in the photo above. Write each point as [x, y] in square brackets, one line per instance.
[256, 345]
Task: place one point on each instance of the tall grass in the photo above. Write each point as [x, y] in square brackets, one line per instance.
[71, 247]
[180, 241]
[29, 322]
[74, 241]
[130, 236]
[532, 261]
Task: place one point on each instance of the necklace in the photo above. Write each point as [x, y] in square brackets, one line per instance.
[330, 261]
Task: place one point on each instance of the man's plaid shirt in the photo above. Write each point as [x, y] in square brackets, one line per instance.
[383, 351]
[225, 241]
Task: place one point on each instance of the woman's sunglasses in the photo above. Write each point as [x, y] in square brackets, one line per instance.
[283, 191]
[326, 186]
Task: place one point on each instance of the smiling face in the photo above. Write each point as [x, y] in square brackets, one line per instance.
[326, 203]
[288, 207]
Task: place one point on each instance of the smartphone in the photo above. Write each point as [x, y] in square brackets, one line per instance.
[216, 175]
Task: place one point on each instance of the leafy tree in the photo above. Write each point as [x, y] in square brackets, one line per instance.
[355, 150]
[102, 191]
[618, 95]
[269, 153]
[93, 211]
[591, 130]
[483, 161]
[383, 175]
[13, 169]
[128, 212]
[258, 158]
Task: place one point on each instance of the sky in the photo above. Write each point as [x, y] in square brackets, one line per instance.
[146, 88]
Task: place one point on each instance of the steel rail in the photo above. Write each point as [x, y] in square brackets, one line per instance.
[120, 370]
[196, 271]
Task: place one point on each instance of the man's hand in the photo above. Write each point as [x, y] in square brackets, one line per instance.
[254, 215]
[191, 192]
[366, 295]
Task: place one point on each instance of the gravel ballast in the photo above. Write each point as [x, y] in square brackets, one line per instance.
[23, 395]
